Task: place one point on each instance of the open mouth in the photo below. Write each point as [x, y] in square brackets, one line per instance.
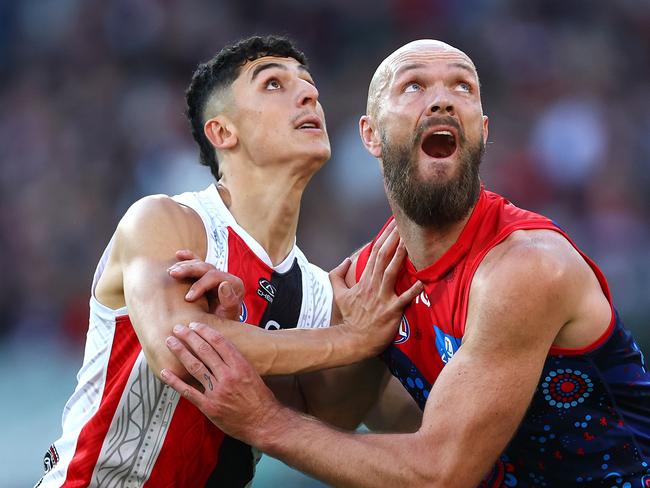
[439, 144]
[309, 123]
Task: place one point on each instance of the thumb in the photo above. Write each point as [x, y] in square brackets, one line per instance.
[337, 275]
[229, 301]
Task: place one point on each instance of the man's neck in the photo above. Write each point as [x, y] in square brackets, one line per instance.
[267, 207]
[425, 245]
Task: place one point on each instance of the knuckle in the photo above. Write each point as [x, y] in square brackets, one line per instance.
[203, 348]
[194, 367]
[217, 339]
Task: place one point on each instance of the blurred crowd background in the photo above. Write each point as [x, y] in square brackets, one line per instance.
[91, 119]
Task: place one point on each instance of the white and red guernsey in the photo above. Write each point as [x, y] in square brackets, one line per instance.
[123, 427]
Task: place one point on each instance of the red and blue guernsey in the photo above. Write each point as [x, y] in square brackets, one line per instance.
[589, 421]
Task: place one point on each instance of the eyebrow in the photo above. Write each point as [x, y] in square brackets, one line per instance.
[261, 67]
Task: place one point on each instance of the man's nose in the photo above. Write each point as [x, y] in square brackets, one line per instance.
[441, 103]
[308, 94]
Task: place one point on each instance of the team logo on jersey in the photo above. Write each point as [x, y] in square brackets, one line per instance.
[446, 344]
[422, 297]
[51, 458]
[404, 331]
[244, 313]
[266, 290]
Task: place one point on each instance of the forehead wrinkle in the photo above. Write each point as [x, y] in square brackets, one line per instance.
[409, 56]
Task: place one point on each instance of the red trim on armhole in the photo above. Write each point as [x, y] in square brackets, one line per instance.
[556, 351]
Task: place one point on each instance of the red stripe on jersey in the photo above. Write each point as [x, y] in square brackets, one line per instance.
[185, 459]
[124, 351]
[243, 262]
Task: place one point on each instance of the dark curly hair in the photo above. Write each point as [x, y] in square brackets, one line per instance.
[219, 73]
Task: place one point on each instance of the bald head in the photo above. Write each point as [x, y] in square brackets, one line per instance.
[406, 57]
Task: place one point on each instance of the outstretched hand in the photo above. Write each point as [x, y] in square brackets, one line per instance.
[372, 306]
[234, 397]
[224, 291]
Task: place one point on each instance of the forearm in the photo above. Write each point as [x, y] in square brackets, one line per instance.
[277, 352]
[348, 459]
[292, 351]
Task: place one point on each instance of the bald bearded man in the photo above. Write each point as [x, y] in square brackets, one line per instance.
[525, 372]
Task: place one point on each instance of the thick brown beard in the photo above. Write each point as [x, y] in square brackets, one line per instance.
[427, 203]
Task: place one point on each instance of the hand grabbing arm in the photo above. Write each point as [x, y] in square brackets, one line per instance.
[145, 246]
[468, 420]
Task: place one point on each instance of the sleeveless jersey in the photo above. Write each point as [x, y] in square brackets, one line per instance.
[123, 427]
[589, 421]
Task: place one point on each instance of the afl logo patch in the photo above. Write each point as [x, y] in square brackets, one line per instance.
[266, 290]
[244, 313]
[446, 344]
[404, 331]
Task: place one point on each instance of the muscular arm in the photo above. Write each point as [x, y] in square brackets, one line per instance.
[145, 244]
[523, 294]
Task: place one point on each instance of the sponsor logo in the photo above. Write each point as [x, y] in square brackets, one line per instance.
[422, 297]
[266, 290]
[244, 312]
[404, 331]
[446, 344]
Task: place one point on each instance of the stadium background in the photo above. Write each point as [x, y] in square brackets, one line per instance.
[91, 97]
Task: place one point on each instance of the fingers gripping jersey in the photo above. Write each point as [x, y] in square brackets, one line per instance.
[589, 420]
[123, 427]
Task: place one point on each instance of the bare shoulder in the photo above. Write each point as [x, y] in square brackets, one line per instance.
[153, 226]
[535, 257]
[533, 276]
[157, 220]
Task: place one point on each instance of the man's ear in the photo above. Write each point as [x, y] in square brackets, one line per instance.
[221, 132]
[486, 123]
[370, 136]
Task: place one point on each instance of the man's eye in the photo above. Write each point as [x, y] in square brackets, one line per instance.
[273, 84]
[412, 87]
[466, 87]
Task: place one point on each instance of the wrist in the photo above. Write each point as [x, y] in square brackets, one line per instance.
[271, 431]
[358, 344]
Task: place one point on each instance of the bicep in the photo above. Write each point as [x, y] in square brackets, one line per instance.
[146, 242]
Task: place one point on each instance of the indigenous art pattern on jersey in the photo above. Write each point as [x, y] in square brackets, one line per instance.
[589, 420]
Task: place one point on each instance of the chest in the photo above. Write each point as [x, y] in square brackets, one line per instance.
[430, 332]
[272, 300]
